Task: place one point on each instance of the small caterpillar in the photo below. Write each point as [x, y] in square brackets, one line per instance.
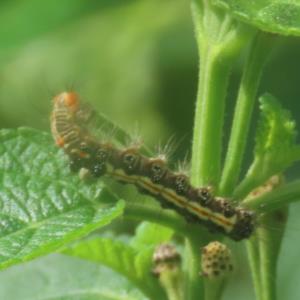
[150, 175]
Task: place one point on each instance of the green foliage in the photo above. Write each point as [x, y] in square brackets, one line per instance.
[275, 147]
[59, 277]
[124, 55]
[133, 260]
[43, 207]
[276, 132]
[134, 264]
[281, 17]
[219, 38]
[147, 235]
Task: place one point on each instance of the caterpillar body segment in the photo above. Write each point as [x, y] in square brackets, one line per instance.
[150, 175]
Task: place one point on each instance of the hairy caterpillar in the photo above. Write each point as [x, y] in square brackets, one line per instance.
[150, 175]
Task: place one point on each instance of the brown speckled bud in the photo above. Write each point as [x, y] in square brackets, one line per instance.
[165, 258]
[216, 260]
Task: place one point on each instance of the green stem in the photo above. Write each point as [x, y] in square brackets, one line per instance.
[264, 247]
[258, 54]
[254, 262]
[171, 280]
[206, 155]
[194, 285]
[269, 243]
[166, 218]
[209, 115]
[214, 288]
[253, 179]
[268, 269]
[219, 40]
[284, 195]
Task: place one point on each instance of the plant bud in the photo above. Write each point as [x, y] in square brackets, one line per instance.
[165, 258]
[216, 260]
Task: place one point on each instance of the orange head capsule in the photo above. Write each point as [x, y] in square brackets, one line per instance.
[67, 99]
[70, 99]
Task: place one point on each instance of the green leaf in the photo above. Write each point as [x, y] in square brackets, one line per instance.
[150, 234]
[275, 148]
[276, 131]
[44, 206]
[59, 277]
[280, 16]
[134, 265]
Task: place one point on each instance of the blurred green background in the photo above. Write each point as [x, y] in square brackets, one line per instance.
[135, 61]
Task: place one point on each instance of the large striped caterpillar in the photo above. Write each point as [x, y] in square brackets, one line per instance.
[150, 175]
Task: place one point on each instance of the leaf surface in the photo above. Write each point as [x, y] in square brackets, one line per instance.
[42, 205]
[134, 265]
[275, 144]
[57, 277]
[280, 16]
